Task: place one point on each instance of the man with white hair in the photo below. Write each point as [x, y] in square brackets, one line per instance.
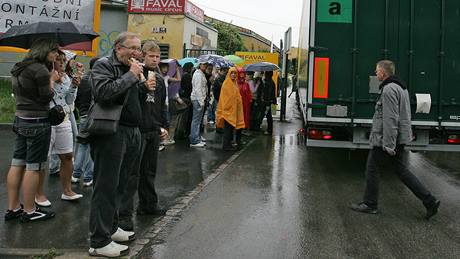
[116, 79]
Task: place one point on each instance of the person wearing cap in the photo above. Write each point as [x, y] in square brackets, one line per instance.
[61, 143]
[198, 97]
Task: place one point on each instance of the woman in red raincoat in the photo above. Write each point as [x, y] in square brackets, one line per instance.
[246, 95]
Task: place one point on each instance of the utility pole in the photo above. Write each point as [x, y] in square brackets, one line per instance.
[284, 73]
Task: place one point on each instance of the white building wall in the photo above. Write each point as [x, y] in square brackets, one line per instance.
[199, 36]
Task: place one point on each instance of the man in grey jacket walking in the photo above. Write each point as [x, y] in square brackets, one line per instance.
[391, 131]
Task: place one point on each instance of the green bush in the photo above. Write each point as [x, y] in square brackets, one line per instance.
[7, 102]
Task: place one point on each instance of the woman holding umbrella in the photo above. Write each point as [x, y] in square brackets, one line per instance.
[33, 80]
[230, 110]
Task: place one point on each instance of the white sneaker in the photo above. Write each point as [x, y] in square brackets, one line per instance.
[169, 142]
[123, 236]
[87, 184]
[75, 180]
[161, 147]
[203, 139]
[200, 144]
[111, 250]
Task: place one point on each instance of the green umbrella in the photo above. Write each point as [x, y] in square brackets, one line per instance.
[235, 59]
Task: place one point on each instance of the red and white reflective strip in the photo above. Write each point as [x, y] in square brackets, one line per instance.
[319, 134]
[453, 139]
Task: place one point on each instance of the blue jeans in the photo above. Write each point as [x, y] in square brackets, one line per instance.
[32, 143]
[83, 164]
[54, 164]
[212, 111]
[195, 136]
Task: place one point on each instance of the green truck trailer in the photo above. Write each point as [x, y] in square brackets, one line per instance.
[340, 43]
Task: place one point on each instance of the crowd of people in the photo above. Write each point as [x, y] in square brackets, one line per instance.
[161, 103]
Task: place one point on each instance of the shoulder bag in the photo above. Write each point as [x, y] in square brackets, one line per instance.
[103, 120]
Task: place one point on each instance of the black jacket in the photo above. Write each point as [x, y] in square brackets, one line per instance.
[153, 104]
[267, 92]
[112, 82]
[84, 95]
[186, 86]
[217, 86]
[31, 87]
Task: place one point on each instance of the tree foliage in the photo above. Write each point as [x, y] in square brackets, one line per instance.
[229, 39]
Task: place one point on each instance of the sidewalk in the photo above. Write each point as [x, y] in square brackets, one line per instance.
[182, 172]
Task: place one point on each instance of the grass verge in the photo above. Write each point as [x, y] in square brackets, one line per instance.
[7, 102]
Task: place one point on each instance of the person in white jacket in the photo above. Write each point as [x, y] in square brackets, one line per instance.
[198, 97]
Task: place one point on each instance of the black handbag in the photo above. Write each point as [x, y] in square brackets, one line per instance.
[56, 114]
[103, 120]
[179, 107]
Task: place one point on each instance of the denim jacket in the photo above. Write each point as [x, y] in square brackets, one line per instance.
[64, 94]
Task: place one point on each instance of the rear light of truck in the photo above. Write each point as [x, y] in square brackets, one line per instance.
[453, 139]
[319, 134]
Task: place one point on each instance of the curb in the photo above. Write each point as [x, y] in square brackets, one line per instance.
[6, 126]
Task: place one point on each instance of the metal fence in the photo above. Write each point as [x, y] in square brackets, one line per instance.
[198, 52]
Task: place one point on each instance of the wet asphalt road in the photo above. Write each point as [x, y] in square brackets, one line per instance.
[277, 199]
[281, 199]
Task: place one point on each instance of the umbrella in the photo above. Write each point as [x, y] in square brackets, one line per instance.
[64, 33]
[215, 60]
[261, 66]
[184, 61]
[234, 59]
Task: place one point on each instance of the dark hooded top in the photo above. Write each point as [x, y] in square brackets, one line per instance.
[31, 87]
[393, 79]
[153, 105]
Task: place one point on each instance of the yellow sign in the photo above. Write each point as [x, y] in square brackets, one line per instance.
[256, 57]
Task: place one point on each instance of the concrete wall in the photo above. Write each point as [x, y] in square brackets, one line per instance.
[199, 36]
[149, 26]
[113, 21]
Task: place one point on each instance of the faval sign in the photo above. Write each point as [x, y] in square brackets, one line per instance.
[156, 6]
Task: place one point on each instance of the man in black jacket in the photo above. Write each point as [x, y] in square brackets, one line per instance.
[152, 127]
[115, 79]
[267, 95]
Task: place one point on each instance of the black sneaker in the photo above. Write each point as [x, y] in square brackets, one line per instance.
[38, 214]
[432, 209]
[363, 207]
[14, 214]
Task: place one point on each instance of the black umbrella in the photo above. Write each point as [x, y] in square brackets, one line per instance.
[261, 66]
[64, 33]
